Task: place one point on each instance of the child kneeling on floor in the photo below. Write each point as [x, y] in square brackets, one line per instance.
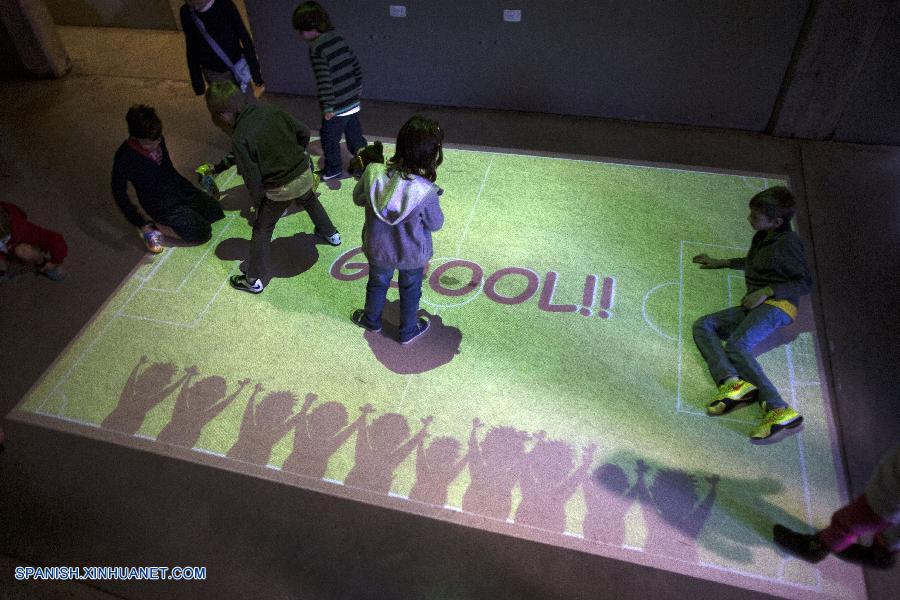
[24, 242]
[402, 209]
[776, 276]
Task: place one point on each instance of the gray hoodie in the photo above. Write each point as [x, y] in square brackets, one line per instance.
[400, 216]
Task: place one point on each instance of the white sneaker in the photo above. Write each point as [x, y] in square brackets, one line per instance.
[333, 239]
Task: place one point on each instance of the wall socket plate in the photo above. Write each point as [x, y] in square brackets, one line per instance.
[512, 16]
[397, 10]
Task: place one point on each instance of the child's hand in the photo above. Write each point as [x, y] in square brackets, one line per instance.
[707, 262]
[754, 299]
[328, 115]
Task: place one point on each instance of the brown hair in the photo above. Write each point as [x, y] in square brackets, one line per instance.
[309, 16]
[419, 149]
[143, 122]
[776, 203]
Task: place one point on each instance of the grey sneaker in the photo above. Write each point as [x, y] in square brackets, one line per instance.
[421, 327]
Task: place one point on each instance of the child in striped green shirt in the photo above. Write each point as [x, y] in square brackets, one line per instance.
[338, 85]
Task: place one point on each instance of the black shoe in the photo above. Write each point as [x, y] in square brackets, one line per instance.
[323, 176]
[421, 327]
[358, 317]
[242, 282]
[807, 547]
[875, 556]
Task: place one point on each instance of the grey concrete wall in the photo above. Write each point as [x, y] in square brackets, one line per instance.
[143, 14]
[714, 63]
[872, 113]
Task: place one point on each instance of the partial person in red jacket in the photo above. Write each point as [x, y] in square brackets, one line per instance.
[24, 242]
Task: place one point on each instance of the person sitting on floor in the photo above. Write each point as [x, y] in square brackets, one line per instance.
[23, 241]
[165, 196]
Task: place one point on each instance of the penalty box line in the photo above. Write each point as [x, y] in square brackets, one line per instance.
[121, 314]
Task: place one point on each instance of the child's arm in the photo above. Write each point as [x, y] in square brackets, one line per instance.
[300, 129]
[249, 170]
[191, 39]
[707, 262]
[432, 215]
[324, 85]
[246, 42]
[361, 192]
[120, 195]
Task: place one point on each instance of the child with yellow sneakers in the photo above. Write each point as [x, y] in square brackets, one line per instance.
[776, 276]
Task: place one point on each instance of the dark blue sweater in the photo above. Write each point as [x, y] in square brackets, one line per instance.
[160, 188]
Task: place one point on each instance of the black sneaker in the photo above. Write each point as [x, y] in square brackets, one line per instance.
[359, 318]
[242, 282]
[421, 327]
[323, 176]
[805, 546]
[874, 556]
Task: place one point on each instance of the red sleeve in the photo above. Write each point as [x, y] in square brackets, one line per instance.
[49, 241]
[24, 231]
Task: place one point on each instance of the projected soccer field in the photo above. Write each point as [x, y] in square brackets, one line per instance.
[557, 396]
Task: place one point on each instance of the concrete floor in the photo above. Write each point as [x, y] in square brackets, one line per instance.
[69, 500]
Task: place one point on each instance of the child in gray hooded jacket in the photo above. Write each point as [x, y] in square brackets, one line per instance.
[402, 209]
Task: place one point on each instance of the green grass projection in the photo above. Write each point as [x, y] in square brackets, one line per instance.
[572, 290]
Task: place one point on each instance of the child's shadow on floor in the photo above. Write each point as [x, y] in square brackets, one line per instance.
[290, 256]
[436, 347]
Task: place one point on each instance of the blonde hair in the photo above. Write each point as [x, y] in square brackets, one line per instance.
[225, 96]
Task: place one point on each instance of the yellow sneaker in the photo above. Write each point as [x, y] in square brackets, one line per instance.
[729, 396]
[775, 420]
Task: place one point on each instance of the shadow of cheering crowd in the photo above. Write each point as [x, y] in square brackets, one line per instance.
[499, 459]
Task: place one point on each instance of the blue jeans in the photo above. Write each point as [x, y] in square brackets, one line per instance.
[410, 281]
[330, 133]
[741, 330]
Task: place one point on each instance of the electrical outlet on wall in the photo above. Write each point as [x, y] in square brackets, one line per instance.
[397, 10]
[512, 16]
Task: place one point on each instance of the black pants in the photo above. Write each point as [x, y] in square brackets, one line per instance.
[191, 219]
[268, 214]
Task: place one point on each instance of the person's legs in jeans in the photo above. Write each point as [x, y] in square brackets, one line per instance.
[709, 331]
[376, 293]
[353, 133]
[261, 239]
[410, 281]
[741, 330]
[317, 214]
[759, 324]
[330, 135]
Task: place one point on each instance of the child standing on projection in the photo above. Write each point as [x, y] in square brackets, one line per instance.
[776, 276]
[338, 85]
[402, 209]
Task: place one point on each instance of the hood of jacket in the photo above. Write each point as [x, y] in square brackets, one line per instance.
[392, 197]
